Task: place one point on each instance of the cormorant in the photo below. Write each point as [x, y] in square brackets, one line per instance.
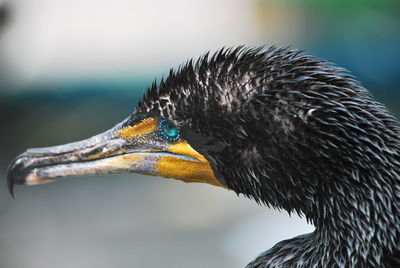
[281, 127]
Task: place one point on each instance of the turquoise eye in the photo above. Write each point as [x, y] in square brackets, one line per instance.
[168, 130]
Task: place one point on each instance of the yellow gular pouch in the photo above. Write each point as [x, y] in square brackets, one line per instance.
[187, 170]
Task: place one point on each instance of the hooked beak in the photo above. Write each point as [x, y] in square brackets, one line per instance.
[110, 153]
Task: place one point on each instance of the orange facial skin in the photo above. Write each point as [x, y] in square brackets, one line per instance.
[182, 163]
[145, 126]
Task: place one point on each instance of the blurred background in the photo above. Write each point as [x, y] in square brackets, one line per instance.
[72, 69]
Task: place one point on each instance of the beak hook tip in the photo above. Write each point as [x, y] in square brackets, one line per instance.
[10, 185]
[10, 182]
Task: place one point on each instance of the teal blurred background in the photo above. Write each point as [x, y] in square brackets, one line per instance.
[72, 69]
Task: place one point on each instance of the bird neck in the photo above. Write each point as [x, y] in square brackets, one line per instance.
[361, 225]
[356, 220]
[350, 235]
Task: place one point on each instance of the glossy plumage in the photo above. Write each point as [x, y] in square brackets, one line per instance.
[293, 132]
[278, 126]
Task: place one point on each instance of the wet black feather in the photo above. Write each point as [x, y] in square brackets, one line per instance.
[294, 132]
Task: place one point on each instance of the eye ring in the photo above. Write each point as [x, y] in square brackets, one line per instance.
[168, 130]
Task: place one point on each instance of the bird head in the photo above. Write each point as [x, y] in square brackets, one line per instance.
[275, 125]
